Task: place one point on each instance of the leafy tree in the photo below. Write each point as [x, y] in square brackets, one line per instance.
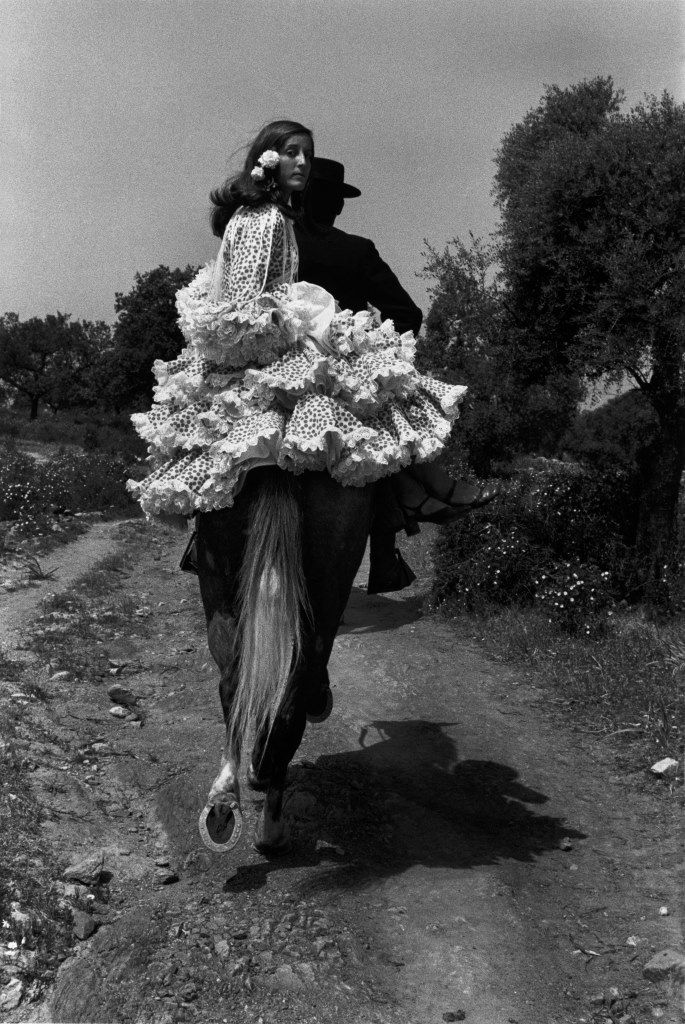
[462, 344]
[145, 330]
[546, 291]
[50, 360]
[593, 206]
[77, 374]
[617, 435]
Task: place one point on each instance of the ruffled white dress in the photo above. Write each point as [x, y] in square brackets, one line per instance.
[274, 374]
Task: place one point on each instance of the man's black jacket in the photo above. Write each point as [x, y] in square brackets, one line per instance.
[350, 268]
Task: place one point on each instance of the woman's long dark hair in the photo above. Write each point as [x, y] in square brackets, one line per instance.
[242, 190]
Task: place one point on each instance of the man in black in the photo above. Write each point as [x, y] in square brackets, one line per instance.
[351, 269]
[348, 266]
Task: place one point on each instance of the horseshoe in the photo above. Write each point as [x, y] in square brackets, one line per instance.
[214, 821]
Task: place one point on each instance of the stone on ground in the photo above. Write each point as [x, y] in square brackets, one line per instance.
[122, 695]
[667, 767]
[664, 964]
[10, 994]
[87, 871]
[84, 925]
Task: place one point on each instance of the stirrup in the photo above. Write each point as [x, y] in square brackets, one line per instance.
[212, 830]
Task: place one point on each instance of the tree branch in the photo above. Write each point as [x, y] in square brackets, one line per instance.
[639, 379]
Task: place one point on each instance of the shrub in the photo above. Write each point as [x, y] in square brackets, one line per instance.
[556, 538]
[475, 566]
[31, 491]
[575, 596]
[91, 439]
[577, 513]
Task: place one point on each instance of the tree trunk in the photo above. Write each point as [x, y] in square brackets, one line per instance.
[657, 528]
[34, 407]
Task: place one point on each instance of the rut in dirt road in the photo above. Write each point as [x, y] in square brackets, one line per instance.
[455, 850]
[63, 566]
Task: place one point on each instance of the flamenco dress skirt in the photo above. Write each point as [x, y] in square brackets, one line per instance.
[285, 380]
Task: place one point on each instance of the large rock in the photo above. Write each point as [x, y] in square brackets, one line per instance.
[665, 768]
[11, 994]
[119, 694]
[20, 917]
[664, 964]
[285, 979]
[87, 871]
[84, 925]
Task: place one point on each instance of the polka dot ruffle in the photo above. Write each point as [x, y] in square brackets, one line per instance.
[254, 387]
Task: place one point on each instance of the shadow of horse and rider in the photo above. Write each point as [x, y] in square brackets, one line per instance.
[281, 564]
[403, 798]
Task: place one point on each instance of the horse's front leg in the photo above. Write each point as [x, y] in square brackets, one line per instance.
[268, 769]
[271, 832]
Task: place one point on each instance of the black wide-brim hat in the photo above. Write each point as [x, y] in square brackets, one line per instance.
[332, 173]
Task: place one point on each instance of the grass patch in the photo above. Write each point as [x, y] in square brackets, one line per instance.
[628, 683]
[94, 609]
[35, 930]
[10, 669]
[97, 582]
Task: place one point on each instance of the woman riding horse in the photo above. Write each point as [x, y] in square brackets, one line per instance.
[270, 427]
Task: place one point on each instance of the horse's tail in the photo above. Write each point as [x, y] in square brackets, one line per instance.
[272, 600]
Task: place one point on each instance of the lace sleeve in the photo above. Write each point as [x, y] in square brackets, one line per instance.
[253, 256]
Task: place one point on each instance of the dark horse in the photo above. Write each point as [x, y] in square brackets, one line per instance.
[275, 574]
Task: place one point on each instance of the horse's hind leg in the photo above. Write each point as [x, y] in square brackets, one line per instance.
[335, 530]
[219, 546]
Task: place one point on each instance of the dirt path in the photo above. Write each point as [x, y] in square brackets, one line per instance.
[458, 853]
[66, 564]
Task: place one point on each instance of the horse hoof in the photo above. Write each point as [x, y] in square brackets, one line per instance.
[320, 715]
[221, 824]
[276, 849]
[260, 785]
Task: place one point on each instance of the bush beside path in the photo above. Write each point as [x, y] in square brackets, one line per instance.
[459, 851]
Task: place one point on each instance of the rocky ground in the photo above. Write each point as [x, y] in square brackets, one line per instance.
[459, 852]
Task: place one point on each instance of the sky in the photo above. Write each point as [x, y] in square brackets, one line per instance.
[117, 117]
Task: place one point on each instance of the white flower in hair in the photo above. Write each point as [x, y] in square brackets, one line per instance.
[257, 173]
[269, 158]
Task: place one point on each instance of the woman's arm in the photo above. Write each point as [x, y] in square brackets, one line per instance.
[254, 248]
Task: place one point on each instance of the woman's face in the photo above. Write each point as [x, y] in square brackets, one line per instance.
[296, 163]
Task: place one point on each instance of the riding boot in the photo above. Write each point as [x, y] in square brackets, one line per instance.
[388, 571]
